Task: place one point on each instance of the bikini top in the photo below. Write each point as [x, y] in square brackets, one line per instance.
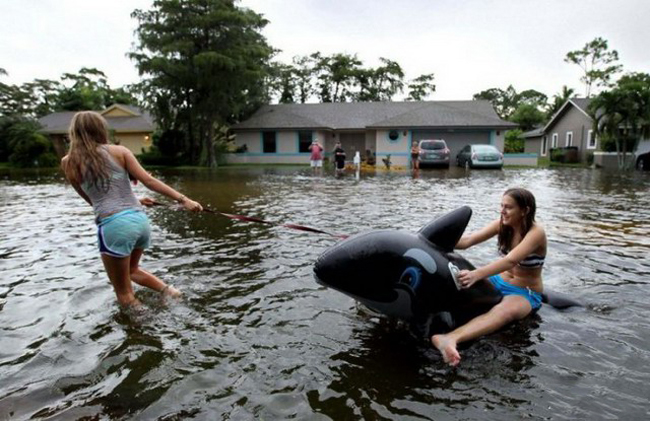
[532, 261]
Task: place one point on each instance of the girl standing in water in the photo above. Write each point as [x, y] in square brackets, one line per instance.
[517, 275]
[99, 173]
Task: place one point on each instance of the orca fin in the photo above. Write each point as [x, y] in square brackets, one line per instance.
[446, 230]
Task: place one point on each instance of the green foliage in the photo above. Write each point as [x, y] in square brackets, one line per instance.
[421, 87]
[23, 146]
[558, 101]
[597, 62]
[507, 102]
[203, 62]
[86, 90]
[514, 141]
[341, 78]
[623, 114]
[528, 116]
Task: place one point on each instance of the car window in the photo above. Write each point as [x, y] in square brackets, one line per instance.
[485, 148]
[433, 145]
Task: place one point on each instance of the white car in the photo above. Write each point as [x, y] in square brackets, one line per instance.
[479, 156]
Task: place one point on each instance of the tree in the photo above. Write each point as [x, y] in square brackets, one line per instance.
[381, 83]
[503, 101]
[506, 102]
[597, 62]
[336, 75]
[558, 101]
[528, 116]
[207, 60]
[623, 113]
[421, 87]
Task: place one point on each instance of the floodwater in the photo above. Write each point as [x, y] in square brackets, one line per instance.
[257, 338]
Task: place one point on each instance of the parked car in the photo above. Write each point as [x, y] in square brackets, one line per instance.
[643, 162]
[434, 152]
[479, 156]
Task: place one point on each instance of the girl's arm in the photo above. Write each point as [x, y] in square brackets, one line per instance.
[479, 236]
[531, 242]
[134, 168]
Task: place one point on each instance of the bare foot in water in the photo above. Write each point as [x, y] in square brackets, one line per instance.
[447, 348]
[170, 292]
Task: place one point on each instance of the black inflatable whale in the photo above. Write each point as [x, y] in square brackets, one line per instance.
[408, 275]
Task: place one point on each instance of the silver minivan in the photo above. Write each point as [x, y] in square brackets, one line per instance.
[434, 152]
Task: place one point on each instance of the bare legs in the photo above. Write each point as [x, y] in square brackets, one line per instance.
[146, 279]
[122, 270]
[511, 308]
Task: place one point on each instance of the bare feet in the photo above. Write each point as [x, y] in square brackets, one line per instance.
[171, 292]
[447, 347]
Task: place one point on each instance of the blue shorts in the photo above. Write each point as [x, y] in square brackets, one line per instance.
[505, 288]
[122, 232]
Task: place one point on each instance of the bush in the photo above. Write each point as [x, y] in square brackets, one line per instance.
[566, 155]
[514, 141]
[608, 144]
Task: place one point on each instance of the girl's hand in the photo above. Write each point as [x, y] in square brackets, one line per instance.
[468, 278]
[147, 201]
[191, 205]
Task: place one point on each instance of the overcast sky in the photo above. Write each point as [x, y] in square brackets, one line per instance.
[470, 45]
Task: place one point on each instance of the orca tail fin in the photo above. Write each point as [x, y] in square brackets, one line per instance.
[558, 300]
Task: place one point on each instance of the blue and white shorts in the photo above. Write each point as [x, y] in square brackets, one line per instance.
[121, 233]
[506, 288]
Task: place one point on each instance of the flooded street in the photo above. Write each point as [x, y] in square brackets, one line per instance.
[257, 338]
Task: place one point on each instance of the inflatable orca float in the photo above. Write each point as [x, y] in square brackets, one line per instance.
[411, 276]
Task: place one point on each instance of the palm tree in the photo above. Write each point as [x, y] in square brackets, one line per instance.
[558, 101]
[623, 113]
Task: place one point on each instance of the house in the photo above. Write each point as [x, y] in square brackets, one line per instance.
[571, 125]
[282, 133]
[129, 126]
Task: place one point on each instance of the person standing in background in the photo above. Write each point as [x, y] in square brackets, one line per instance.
[339, 157]
[316, 157]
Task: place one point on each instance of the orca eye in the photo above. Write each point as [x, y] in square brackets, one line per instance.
[411, 277]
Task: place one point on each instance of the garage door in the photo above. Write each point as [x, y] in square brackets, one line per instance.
[352, 142]
[455, 140]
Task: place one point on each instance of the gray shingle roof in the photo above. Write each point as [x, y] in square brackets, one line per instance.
[58, 123]
[583, 103]
[362, 115]
[534, 133]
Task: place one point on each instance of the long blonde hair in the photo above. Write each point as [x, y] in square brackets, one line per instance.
[85, 163]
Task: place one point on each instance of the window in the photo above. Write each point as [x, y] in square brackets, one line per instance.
[304, 141]
[569, 139]
[393, 135]
[591, 140]
[554, 141]
[543, 151]
[268, 142]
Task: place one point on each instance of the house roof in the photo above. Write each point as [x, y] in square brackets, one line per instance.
[582, 104]
[533, 133]
[375, 115]
[137, 121]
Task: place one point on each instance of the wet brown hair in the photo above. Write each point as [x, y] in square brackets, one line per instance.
[526, 201]
[85, 163]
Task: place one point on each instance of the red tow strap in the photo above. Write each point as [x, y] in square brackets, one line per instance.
[261, 221]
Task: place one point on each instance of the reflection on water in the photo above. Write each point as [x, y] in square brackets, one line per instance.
[256, 337]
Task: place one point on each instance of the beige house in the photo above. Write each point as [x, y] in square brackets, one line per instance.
[282, 133]
[129, 126]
